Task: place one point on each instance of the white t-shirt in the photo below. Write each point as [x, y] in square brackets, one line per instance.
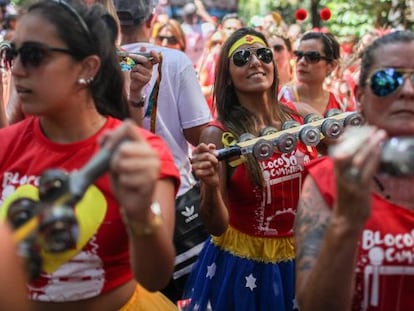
[181, 105]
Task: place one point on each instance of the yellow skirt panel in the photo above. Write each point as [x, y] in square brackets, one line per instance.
[269, 250]
[143, 300]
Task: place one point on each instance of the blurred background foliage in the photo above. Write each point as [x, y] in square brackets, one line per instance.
[349, 17]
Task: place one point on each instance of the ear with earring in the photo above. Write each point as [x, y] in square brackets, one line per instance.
[85, 82]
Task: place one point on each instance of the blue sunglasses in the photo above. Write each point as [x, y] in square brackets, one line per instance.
[386, 81]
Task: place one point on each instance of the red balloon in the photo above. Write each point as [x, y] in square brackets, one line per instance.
[325, 14]
[301, 14]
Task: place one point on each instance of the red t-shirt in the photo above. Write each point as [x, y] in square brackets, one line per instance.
[101, 262]
[385, 262]
[287, 94]
[268, 212]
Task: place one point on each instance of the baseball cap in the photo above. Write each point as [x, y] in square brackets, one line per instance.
[134, 12]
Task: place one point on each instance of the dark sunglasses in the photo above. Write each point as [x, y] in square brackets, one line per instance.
[242, 57]
[32, 54]
[278, 48]
[386, 81]
[170, 39]
[311, 57]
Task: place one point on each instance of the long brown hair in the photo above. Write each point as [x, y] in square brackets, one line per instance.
[236, 118]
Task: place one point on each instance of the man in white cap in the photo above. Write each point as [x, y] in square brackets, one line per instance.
[174, 108]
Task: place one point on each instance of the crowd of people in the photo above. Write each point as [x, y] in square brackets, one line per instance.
[296, 230]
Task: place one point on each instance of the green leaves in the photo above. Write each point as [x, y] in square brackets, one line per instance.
[348, 17]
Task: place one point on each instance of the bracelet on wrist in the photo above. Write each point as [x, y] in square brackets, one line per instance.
[138, 103]
[139, 229]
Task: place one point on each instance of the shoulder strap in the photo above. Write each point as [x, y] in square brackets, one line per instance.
[228, 140]
[153, 99]
[289, 92]
[218, 124]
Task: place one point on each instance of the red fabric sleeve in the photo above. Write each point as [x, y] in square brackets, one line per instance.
[322, 172]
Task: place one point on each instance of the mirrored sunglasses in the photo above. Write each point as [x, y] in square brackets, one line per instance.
[242, 57]
[32, 54]
[311, 57]
[386, 81]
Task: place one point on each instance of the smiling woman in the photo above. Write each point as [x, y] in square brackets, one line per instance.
[248, 206]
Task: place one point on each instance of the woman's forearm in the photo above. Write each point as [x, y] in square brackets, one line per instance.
[151, 240]
[330, 283]
[326, 246]
[152, 257]
[213, 210]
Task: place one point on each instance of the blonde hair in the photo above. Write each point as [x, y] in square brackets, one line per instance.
[175, 28]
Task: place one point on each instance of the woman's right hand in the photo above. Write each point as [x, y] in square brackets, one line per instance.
[205, 164]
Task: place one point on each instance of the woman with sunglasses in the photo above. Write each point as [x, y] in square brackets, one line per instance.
[283, 55]
[354, 228]
[248, 205]
[171, 35]
[207, 66]
[69, 82]
[317, 56]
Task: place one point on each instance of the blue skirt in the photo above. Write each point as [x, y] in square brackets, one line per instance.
[229, 277]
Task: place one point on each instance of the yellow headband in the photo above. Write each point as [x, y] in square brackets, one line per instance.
[247, 39]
